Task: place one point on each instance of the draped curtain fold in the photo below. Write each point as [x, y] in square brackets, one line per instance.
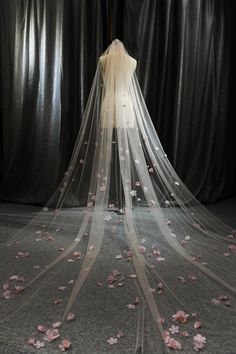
[186, 69]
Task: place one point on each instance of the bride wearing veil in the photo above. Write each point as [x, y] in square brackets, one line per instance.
[124, 213]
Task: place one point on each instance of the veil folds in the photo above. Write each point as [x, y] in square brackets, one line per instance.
[121, 192]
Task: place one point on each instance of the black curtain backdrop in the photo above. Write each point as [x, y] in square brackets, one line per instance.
[186, 69]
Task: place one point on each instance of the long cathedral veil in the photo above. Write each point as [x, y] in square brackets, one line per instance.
[121, 192]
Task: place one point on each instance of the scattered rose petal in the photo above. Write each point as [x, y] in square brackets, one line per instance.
[17, 278]
[112, 340]
[61, 288]
[142, 249]
[77, 254]
[174, 344]
[56, 324]
[119, 256]
[180, 317]
[18, 289]
[133, 276]
[58, 301]
[36, 266]
[39, 344]
[131, 306]
[120, 334]
[215, 301]
[184, 334]
[31, 341]
[6, 286]
[160, 259]
[64, 345]
[41, 329]
[22, 254]
[7, 294]
[70, 316]
[197, 324]
[232, 248]
[198, 342]
[51, 334]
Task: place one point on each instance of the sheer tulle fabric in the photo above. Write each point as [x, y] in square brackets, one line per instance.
[119, 185]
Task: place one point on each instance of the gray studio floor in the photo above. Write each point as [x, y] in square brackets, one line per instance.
[88, 333]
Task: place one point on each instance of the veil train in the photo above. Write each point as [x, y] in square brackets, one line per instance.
[121, 198]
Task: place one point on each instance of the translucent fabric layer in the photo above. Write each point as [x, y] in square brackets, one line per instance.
[120, 191]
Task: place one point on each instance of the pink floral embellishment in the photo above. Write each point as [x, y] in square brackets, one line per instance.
[180, 317]
[174, 329]
[198, 342]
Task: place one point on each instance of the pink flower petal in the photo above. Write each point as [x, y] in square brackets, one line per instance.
[31, 341]
[197, 324]
[120, 334]
[39, 344]
[56, 324]
[70, 316]
[61, 288]
[17, 278]
[232, 248]
[174, 344]
[130, 306]
[58, 301]
[6, 286]
[52, 334]
[198, 342]
[7, 294]
[180, 317]
[41, 329]
[65, 344]
[19, 289]
[112, 340]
